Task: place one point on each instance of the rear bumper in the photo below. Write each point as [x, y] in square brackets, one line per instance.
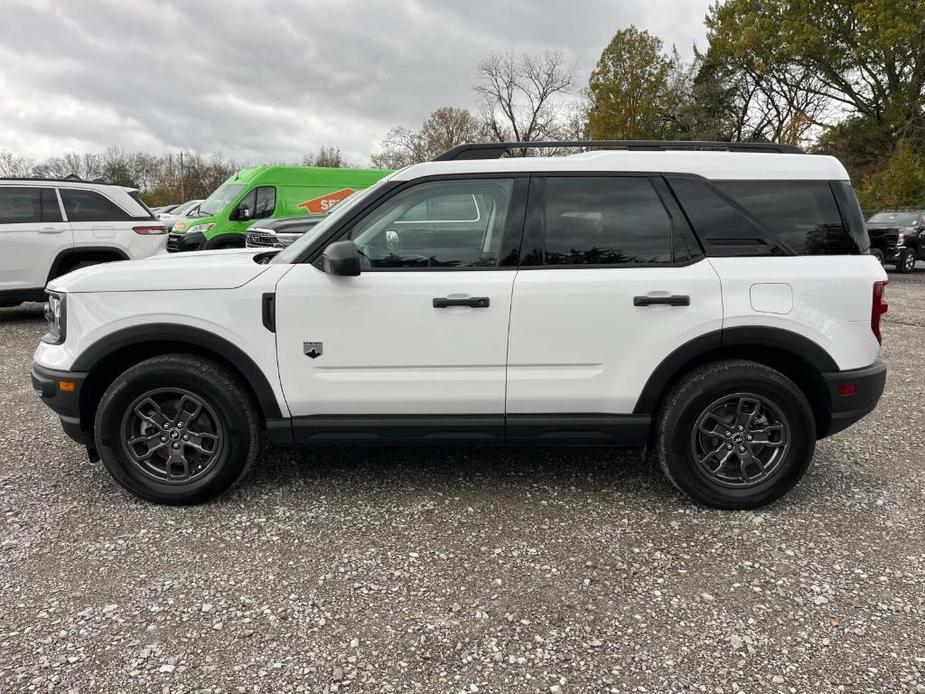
[849, 408]
[66, 404]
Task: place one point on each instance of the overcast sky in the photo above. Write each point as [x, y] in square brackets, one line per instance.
[267, 81]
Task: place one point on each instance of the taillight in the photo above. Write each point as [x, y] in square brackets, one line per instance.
[878, 308]
[150, 230]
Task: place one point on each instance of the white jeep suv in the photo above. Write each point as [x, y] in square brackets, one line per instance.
[50, 227]
[717, 307]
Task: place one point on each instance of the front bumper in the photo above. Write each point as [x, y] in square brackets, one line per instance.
[65, 403]
[854, 394]
[177, 243]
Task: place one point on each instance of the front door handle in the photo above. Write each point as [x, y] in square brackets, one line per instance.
[51, 230]
[472, 302]
[673, 300]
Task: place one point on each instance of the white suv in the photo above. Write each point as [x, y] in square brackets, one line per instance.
[717, 307]
[49, 227]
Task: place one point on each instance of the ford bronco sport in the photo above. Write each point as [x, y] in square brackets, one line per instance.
[713, 302]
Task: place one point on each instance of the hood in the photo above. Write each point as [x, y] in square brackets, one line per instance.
[225, 269]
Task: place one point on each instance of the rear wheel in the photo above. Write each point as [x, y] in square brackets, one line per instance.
[735, 435]
[176, 429]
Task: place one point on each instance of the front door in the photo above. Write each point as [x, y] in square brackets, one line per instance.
[423, 330]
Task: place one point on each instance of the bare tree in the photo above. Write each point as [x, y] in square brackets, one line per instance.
[14, 166]
[522, 95]
[444, 128]
[328, 156]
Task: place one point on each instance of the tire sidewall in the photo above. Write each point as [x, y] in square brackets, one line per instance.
[236, 448]
[684, 469]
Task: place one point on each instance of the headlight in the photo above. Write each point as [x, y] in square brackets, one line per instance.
[900, 240]
[55, 319]
[199, 228]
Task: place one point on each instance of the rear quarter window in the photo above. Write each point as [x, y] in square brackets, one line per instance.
[90, 206]
[759, 217]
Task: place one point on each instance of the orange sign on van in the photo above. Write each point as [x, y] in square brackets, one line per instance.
[323, 203]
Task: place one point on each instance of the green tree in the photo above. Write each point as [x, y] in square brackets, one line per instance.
[900, 184]
[631, 87]
[865, 59]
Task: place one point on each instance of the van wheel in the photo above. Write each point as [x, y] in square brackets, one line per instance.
[735, 435]
[176, 429]
[906, 262]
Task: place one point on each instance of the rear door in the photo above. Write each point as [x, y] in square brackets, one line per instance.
[611, 282]
[32, 235]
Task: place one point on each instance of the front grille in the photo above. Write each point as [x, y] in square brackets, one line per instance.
[173, 243]
[261, 239]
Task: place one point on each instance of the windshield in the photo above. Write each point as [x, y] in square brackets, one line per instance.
[220, 198]
[903, 219]
[293, 251]
[180, 210]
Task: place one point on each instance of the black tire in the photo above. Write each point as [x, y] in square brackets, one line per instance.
[685, 408]
[226, 409]
[906, 262]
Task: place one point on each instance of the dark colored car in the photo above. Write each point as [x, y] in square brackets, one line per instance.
[897, 238]
[279, 232]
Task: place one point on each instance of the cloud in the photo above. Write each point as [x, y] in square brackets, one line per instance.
[268, 81]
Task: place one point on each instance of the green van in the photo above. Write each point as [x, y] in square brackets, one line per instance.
[263, 192]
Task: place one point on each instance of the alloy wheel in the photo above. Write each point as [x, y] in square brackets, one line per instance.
[172, 435]
[740, 440]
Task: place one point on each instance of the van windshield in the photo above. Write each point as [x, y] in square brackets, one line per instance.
[904, 219]
[220, 198]
[294, 250]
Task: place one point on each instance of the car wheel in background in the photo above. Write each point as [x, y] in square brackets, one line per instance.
[906, 262]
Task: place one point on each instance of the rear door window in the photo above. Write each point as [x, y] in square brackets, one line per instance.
[28, 205]
[614, 220]
[90, 206]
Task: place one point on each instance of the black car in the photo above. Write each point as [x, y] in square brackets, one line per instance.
[897, 238]
[279, 232]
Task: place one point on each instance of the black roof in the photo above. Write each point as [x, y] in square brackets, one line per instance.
[494, 150]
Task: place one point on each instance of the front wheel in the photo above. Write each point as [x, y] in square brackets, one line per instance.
[735, 435]
[176, 429]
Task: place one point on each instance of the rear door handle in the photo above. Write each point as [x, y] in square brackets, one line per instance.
[473, 302]
[673, 300]
[50, 230]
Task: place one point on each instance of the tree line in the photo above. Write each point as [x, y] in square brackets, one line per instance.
[844, 78]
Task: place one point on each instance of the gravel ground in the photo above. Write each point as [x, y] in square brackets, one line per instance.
[466, 570]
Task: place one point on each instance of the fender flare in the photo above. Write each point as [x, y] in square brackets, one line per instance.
[77, 251]
[203, 339]
[757, 337]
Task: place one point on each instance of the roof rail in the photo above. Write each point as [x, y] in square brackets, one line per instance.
[494, 150]
[44, 179]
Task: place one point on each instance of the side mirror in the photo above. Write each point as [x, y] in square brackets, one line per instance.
[341, 259]
[242, 213]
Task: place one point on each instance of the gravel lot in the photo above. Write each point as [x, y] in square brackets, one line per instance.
[466, 570]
